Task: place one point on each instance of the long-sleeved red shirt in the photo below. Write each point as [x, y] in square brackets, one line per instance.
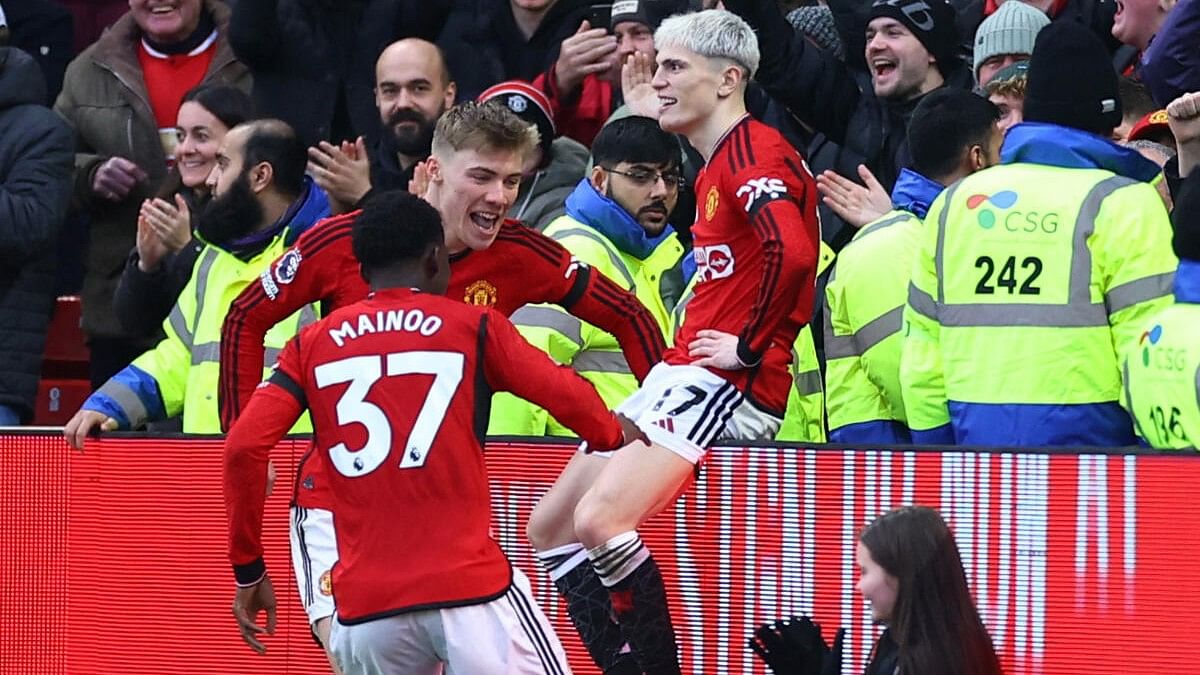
[399, 386]
[756, 241]
[521, 267]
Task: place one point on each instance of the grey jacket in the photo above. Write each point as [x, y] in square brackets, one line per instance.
[543, 196]
[35, 186]
[104, 99]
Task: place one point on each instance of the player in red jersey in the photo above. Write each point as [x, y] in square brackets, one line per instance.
[726, 377]
[398, 386]
[474, 171]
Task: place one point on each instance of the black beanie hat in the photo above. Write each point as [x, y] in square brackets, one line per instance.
[1071, 80]
[1186, 218]
[933, 24]
[647, 12]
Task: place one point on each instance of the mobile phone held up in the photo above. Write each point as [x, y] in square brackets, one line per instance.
[599, 15]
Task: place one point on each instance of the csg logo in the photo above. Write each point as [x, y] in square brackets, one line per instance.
[1013, 221]
[1164, 358]
[714, 262]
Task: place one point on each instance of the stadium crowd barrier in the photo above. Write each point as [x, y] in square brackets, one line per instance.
[114, 560]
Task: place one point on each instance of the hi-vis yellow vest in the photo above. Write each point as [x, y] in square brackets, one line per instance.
[1030, 284]
[593, 353]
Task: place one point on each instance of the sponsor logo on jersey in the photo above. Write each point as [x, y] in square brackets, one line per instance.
[268, 284]
[757, 188]
[286, 268]
[714, 262]
[711, 202]
[481, 293]
[326, 584]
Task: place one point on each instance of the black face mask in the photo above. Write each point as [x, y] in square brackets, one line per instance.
[413, 142]
[231, 216]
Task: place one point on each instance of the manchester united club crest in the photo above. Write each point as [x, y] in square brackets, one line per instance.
[480, 293]
[327, 583]
[711, 202]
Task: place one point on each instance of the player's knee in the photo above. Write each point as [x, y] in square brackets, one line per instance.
[541, 528]
[594, 522]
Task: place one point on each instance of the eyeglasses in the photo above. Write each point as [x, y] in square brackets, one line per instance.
[643, 177]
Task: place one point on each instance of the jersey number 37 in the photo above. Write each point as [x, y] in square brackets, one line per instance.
[362, 372]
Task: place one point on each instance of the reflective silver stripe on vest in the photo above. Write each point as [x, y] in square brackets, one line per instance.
[875, 331]
[271, 355]
[308, 315]
[595, 361]
[209, 352]
[1140, 290]
[206, 262]
[1079, 311]
[179, 325]
[808, 383]
[607, 245]
[940, 252]
[836, 346]
[545, 317]
[135, 411]
[900, 217]
[921, 302]
[677, 312]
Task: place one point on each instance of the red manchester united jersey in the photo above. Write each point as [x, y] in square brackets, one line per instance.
[756, 239]
[399, 386]
[521, 267]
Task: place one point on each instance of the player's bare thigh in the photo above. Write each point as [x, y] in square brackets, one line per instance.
[321, 629]
[638, 482]
[552, 523]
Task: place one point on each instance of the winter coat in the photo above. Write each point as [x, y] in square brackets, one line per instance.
[35, 188]
[104, 98]
[43, 29]
[484, 46]
[309, 56]
[542, 197]
[1171, 64]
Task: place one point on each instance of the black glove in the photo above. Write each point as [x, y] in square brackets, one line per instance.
[795, 647]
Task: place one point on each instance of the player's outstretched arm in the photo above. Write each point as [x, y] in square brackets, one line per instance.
[272, 410]
[611, 308]
[511, 364]
[306, 273]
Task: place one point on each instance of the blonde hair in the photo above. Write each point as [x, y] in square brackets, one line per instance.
[713, 33]
[1012, 86]
[477, 126]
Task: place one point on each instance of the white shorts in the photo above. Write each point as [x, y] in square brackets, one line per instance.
[507, 636]
[314, 551]
[688, 409]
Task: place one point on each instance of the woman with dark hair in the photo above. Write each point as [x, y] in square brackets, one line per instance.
[161, 263]
[911, 573]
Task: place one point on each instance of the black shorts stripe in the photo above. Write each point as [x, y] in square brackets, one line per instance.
[533, 629]
[708, 408]
[713, 423]
[306, 585]
[723, 423]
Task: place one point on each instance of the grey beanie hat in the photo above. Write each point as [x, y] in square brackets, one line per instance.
[1009, 30]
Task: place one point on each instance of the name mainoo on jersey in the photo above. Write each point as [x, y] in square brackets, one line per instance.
[409, 321]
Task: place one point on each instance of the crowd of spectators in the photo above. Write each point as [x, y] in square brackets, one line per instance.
[148, 91]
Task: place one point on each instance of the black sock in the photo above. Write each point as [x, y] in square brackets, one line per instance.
[590, 610]
[639, 600]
